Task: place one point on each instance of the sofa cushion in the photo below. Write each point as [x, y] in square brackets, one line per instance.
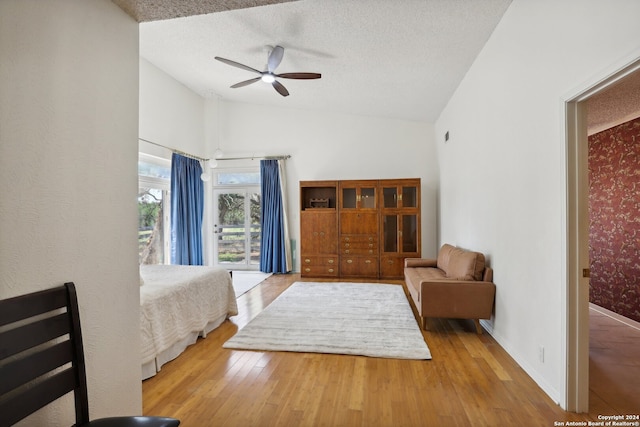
[459, 264]
[413, 277]
[444, 255]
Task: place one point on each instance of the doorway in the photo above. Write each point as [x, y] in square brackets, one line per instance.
[577, 247]
[236, 228]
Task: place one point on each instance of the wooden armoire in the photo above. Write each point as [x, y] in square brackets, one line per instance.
[359, 228]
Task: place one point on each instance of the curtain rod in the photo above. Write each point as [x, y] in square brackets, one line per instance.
[283, 157]
[182, 153]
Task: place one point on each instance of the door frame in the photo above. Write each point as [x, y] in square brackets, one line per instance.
[577, 231]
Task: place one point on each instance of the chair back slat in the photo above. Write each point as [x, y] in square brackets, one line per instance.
[29, 399]
[33, 334]
[30, 305]
[41, 354]
[25, 369]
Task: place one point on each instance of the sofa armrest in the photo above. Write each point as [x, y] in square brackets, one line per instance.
[419, 262]
[457, 299]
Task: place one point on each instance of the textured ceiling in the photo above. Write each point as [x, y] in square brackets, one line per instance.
[154, 10]
[397, 59]
[615, 105]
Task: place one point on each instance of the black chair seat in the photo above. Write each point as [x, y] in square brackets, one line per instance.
[133, 422]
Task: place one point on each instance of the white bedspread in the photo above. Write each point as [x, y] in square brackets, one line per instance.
[179, 300]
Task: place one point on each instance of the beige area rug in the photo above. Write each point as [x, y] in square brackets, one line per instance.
[244, 281]
[368, 319]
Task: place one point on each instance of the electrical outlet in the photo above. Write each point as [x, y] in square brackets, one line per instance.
[541, 354]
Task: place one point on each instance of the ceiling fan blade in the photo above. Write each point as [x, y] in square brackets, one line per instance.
[246, 82]
[299, 75]
[237, 64]
[280, 88]
[275, 57]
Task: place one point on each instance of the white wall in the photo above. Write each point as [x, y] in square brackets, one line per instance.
[68, 144]
[327, 146]
[503, 172]
[170, 114]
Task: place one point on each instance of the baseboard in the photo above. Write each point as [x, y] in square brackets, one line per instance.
[615, 316]
[530, 370]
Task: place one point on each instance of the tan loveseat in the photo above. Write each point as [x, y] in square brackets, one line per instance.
[456, 285]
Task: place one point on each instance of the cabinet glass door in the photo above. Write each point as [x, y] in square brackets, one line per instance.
[349, 198]
[368, 198]
[390, 197]
[399, 233]
[358, 195]
[390, 233]
[409, 233]
[409, 197]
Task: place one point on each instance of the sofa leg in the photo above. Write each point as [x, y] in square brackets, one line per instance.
[478, 327]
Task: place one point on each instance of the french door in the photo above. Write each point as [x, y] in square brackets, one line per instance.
[236, 243]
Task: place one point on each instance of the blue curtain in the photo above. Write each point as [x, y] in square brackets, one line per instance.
[275, 249]
[187, 206]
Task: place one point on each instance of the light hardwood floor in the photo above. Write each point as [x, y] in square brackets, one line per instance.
[471, 381]
[614, 366]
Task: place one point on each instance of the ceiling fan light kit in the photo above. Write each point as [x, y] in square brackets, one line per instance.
[269, 76]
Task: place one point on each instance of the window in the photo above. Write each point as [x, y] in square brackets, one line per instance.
[154, 184]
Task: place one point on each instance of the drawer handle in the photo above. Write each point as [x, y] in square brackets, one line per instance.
[346, 245]
[330, 261]
[307, 260]
[331, 270]
[371, 251]
[349, 261]
[347, 251]
[368, 261]
[371, 239]
[390, 261]
[306, 270]
[346, 239]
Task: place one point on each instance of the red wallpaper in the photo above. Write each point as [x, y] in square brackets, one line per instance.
[614, 219]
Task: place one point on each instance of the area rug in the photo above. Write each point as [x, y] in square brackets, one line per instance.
[244, 281]
[368, 319]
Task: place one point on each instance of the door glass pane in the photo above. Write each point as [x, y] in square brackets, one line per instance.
[230, 228]
[349, 198]
[390, 196]
[390, 243]
[409, 197]
[409, 233]
[368, 197]
[254, 209]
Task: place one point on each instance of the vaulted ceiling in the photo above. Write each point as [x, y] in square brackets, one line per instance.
[396, 59]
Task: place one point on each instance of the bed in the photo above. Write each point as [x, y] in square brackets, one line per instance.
[178, 304]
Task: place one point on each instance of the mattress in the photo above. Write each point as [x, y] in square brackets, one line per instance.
[178, 303]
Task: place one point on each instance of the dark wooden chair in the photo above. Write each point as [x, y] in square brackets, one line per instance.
[42, 359]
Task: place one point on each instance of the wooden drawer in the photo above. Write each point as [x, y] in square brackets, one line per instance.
[328, 261]
[314, 266]
[391, 267]
[358, 245]
[359, 266]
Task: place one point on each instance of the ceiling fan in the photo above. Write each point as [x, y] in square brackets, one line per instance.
[269, 75]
